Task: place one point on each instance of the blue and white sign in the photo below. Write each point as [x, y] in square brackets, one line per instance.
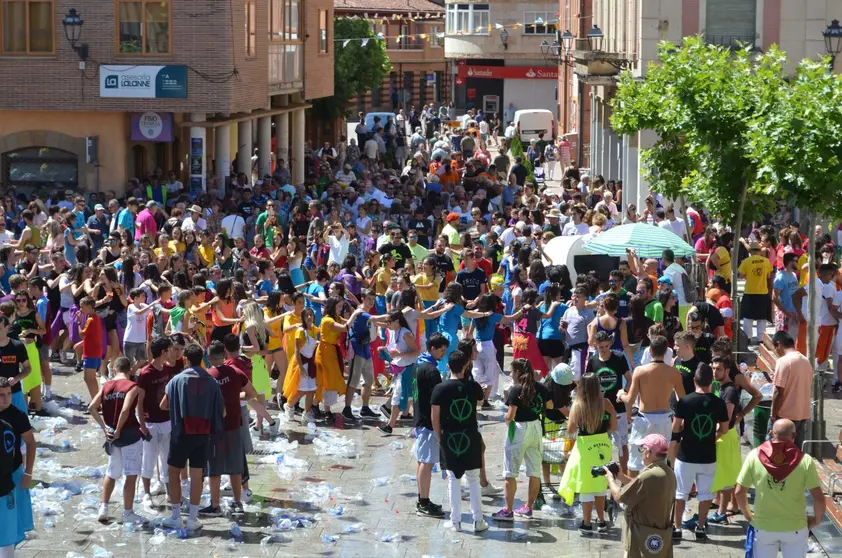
[143, 82]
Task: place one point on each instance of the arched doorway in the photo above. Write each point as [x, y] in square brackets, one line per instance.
[40, 167]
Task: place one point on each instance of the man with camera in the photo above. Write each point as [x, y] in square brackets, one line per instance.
[648, 499]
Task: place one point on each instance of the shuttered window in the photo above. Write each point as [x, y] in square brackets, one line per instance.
[730, 22]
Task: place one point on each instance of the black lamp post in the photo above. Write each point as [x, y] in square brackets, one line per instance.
[559, 50]
[833, 41]
[72, 24]
[595, 37]
[504, 38]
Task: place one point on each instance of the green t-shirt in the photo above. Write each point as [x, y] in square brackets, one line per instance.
[418, 253]
[654, 311]
[779, 506]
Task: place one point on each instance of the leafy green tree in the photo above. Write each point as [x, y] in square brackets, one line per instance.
[701, 100]
[357, 68]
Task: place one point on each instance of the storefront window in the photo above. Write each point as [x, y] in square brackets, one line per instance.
[40, 166]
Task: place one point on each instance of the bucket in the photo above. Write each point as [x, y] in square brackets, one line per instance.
[761, 422]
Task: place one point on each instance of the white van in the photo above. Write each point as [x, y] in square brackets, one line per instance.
[530, 123]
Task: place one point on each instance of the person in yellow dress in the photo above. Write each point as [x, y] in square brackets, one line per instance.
[289, 326]
[329, 362]
[300, 379]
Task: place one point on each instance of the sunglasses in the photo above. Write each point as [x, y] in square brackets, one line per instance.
[641, 292]
[612, 282]
[22, 300]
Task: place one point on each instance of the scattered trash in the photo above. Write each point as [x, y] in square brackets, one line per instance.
[76, 400]
[287, 465]
[158, 538]
[235, 531]
[273, 539]
[55, 410]
[408, 478]
[331, 445]
[287, 519]
[390, 537]
[353, 528]
[329, 538]
[338, 510]
[49, 524]
[398, 445]
[519, 534]
[435, 468]
[48, 424]
[813, 547]
[381, 481]
[100, 552]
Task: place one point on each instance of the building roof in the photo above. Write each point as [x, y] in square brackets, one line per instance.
[387, 6]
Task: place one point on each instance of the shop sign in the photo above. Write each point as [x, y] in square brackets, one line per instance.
[508, 72]
[472, 93]
[152, 126]
[143, 82]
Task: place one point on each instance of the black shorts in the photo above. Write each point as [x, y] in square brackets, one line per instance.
[219, 332]
[755, 306]
[551, 348]
[189, 447]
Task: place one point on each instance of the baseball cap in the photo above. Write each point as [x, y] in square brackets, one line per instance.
[99, 207]
[714, 294]
[666, 280]
[562, 374]
[496, 281]
[655, 443]
[453, 217]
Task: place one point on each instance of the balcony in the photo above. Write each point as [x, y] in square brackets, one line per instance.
[734, 42]
[405, 44]
[286, 67]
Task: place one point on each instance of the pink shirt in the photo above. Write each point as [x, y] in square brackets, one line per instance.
[145, 224]
[794, 375]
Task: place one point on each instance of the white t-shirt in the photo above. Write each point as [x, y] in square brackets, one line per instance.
[363, 223]
[5, 237]
[483, 127]
[370, 148]
[338, 248]
[135, 326]
[826, 292]
[572, 229]
[674, 272]
[676, 226]
[234, 226]
[174, 188]
[66, 291]
[190, 225]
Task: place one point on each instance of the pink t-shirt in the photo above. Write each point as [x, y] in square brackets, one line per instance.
[145, 225]
[794, 375]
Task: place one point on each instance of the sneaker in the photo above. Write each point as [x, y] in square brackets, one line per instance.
[503, 515]
[130, 517]
[601, 527]
[55, 357]
[486, 406]
[585, 529]
[193, 525]
[78, 367]
[837, 387]
[700, 533]
[691, 523]
[457, 526]
[385, 428]
[309, 416]
[330, 417]
[290, 413]
[524, 511]
[237, 508]
[480, 526]
[406, 416]
[386, 410]
[210, 511]
[156, 489]
[676, 536]
[247, 496]
[274, 428]
[491, 490]
[718, 518]
[173, 523]
[367, 412]
[102, 516]
[316, 412]
[348, 415]
[428, 510]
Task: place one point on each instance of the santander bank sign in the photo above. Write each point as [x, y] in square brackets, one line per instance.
[508, 72]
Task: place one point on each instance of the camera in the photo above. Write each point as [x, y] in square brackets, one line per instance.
[599, 471]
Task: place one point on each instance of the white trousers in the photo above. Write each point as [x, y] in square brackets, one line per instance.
[156, 450]
[792, 544]
[455, 494]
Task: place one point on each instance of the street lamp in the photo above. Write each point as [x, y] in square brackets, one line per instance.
[595, 37]
[559, 50]
[504, 38]
[72, 24]
[833, 41]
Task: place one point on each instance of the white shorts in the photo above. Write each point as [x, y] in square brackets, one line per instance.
[486, 369]
[620, 437]
[397, 390]
[643, 425]
[306, 383]
[792, 544]
[699, 473]
[590, 497]
[578, 362]
[125, 460]
[156, 450]
[837, 343]
[525, 446]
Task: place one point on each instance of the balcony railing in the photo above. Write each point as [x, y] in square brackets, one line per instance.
[286, 65]
[733, 42]
[405, 44]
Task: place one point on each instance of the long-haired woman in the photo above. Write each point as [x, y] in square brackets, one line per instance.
[525, 337]
[29, 328]
[486, 370]
[273, 313]
[592, 416]
[402, 350]
[329, 363]
[111, 300]
[223, 313]
[253, 341]
[300, 380]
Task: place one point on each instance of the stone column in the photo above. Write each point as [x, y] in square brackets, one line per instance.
[298, 146]
[223, 157]
[647, 139]
[282, 134]
[244, 148]
[198, 154]
[264, 145]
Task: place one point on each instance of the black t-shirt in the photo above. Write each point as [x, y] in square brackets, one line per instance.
[11, 448]
[401, 253]
[701, 413]
[703, 345]
[687, 368]
[246, 209]
[425, 231]
[528, 411]
[461, 443]
[444, 265]
[710, 315]
[493, 254]
[472, 282]
[730, 393]
[610, 374]
[520, 173]
[427, 377]
[11, 358]
[20, 424]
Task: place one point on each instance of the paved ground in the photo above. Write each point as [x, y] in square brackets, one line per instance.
[313, 488]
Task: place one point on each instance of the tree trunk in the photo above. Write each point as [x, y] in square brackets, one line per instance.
[735, 252]
[816, 410]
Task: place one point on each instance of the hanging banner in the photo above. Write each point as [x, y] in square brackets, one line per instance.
[508, 72]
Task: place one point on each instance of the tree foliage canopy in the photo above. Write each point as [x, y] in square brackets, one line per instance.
[357, 69]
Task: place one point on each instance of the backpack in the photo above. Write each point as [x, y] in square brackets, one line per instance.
[690, 290]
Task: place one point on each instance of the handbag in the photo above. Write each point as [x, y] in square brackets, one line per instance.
[648, 542]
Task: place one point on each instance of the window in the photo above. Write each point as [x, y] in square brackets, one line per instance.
[323, 31]
[27, 27]
[291, 20]
[251, 28]
[284, 20]
[468, 19]
[40, 166]
[543, 28]
[143, 27]
[435, 41]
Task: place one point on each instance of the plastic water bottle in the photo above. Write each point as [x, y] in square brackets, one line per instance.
[236, 532]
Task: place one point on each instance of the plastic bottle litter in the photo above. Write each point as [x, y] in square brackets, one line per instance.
[235, 531]
[76, 399]
[48, 424]
[381, 481]
[498, 405]
[519, 534]
[49, 524]
[353, 528]
[331, 445]
[398, 445]
[408, 478]
[390, 537]
[338, 510]
[158, 538]
[100, 552]
[287, 465]
[329, 538]
[277, 538]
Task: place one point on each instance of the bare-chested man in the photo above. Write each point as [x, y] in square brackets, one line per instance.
[654, 383]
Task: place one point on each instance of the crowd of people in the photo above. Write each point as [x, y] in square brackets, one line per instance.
[405, 272]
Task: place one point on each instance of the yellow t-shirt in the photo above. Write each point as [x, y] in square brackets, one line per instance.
[756, 270]
[452, 235]
[384, 277]
[329, 335]
[208, 254]
[291, 320]
[428, 289]
[801, 269]
[274, 331]
[179, 247]
[724, 263]
[168, 252]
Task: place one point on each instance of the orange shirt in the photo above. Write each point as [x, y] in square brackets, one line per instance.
[92, 338]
